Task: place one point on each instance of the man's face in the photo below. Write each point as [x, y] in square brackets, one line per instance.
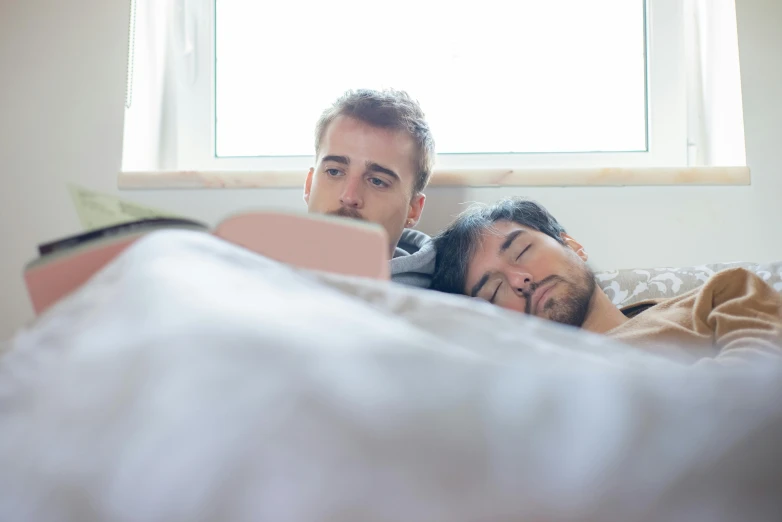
[528, 271]
[367, 173]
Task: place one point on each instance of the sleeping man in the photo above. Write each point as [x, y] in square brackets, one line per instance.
[516, 255]
[374, 156]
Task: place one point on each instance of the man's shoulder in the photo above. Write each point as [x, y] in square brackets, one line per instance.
[734, 278]
[411, 242]
[743, 287]
[414, 259]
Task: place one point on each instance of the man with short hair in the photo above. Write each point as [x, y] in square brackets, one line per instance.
[374, 157]
[516, 254]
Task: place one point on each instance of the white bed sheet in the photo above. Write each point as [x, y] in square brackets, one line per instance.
[193, 380]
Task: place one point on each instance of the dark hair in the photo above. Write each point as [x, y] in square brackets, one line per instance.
[456, 244]
[387, 109]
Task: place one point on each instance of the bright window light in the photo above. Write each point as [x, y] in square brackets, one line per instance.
[514, 76]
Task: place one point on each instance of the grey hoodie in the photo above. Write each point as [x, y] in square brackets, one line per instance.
[413, 261]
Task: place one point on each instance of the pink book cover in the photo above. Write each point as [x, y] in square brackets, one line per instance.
[49, 282]
[311, 241]
[323, 243]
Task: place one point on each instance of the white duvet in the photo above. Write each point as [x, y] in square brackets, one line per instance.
[193, 380]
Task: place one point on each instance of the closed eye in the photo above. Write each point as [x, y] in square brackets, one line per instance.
[494, 295]
[523, 251]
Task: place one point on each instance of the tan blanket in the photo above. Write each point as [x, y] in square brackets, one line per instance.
[734, 316]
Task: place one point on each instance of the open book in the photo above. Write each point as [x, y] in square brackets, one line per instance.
[309, 241]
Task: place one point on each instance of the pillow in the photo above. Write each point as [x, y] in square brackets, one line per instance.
[629, 286]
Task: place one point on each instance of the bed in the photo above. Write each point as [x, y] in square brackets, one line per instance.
[193, 380]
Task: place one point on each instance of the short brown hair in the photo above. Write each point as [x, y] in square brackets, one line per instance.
[386, 109]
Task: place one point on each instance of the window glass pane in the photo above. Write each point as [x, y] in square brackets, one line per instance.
[494, 76]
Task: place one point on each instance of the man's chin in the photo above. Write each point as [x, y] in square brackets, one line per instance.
[548, 315]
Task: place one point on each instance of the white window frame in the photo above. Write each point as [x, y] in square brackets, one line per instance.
[666, 96]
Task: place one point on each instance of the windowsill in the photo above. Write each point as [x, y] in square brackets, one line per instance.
[553, 177]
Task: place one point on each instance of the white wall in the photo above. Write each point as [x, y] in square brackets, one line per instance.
[62, 66]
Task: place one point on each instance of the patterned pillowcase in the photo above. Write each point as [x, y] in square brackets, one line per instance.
[627, 287]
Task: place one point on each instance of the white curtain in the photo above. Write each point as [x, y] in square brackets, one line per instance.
[716, 122]
[150, 110]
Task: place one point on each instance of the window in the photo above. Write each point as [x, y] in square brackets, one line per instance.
[504, 83]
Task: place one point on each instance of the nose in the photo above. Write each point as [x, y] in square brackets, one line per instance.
[352, 194]
[520, 281]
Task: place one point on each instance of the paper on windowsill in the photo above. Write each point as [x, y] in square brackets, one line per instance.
[97, 210]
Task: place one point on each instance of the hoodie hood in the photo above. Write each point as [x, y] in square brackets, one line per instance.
[413, 261]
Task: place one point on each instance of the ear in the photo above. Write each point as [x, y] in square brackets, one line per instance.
[308, 186]
[575, 246]
[416, 207]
